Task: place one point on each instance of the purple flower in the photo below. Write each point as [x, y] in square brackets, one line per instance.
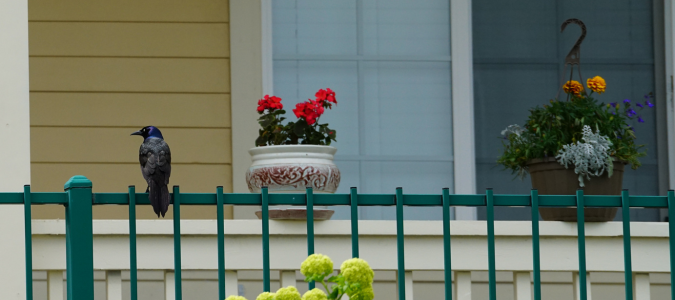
[613, 113]
[613, 104]
[649, 103]
[630, 112]
[626, 101]
[639, 105]
[640, 119]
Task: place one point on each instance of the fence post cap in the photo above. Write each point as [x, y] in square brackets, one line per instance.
[77, 181]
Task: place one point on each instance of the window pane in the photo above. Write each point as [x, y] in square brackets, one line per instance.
[296, 81]
[408, 108]
[383, 177]
[314, 27]
[404, 27]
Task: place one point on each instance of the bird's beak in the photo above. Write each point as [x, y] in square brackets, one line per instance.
[137, 133]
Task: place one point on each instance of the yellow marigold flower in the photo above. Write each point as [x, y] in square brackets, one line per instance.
[363, 294]
[265, 296]
[596, 84]
[357, 270]
[573, 87]
[287, 293]
[235, 298]
[317, 266]
[315, 294]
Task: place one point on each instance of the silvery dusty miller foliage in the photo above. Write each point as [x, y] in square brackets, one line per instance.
[590, 158]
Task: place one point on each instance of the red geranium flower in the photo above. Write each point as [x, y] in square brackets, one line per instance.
[330, 97]
[310, 110]
[270, 103]
[325, 95]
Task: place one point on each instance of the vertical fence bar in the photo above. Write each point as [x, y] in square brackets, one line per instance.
[354, 201]
[310, 227]
[28, 241]
[492, 277]
[79, 239]
[176, 243]
[221, 242]
[581, 236]
[671, 233]
[447, 268]
[536, 268]
[628, 267]
[133, 261]
[400, 244]
[266, 239]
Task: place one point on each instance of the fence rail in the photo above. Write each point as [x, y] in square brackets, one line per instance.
[78, 200]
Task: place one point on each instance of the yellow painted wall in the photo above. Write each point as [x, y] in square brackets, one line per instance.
[101, 69]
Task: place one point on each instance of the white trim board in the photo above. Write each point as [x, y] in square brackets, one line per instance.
[462, 105]
[15, 136]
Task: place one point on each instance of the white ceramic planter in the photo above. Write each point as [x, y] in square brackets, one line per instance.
[293, 168]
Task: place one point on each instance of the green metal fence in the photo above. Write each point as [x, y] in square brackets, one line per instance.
[78, 200]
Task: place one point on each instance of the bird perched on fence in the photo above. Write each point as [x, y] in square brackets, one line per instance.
[155, 159]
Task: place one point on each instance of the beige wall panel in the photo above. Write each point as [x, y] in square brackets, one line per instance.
[129, 10]
[108, 178]
[130, 109]
[115, 145]
[129, 39]
[130, 74]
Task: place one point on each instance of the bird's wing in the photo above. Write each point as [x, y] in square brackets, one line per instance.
[147, 160]
[164, 160]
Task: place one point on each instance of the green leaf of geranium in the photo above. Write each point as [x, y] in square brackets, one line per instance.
[300, 127]
[261, 141]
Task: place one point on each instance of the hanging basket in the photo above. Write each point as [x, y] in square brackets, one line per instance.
[551, 178]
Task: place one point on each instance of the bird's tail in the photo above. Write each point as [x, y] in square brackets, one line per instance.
[159, 198]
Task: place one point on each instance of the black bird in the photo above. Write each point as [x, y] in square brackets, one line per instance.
[155, 158]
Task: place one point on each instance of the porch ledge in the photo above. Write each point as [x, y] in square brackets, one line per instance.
[366, 228]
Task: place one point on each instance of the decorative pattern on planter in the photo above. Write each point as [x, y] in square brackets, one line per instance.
[297, 177]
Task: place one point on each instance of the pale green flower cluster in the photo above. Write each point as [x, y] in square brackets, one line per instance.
[363, 294]
[287, 293]
[316, 267]
[357, 271]
[265, 296]
[235, 298]
[355, 280]
[315, 294]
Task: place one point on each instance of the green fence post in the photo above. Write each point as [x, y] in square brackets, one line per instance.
[447, 269]
[671, 233]
[79, 239]
[221, 241]
[581, 237]
[492, 277]
[310, 227]
[354, 203]
[628, 268]
[177, 264]
[265, 238]
[133, 254]
[536, 269]
[28, 241]
[400, 243]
